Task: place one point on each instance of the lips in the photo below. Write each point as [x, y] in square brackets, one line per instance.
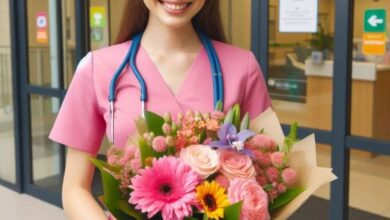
[175, 6]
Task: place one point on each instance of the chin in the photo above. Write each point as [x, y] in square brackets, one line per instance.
[175, 23]
[174, 13]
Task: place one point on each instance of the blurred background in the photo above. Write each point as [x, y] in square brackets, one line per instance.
[37, 64]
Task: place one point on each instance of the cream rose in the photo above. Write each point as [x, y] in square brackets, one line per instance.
[202, 159]
[236, 165]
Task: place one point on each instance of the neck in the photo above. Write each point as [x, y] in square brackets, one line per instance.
[160, 38]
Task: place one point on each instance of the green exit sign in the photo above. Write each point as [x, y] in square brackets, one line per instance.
[375, 20]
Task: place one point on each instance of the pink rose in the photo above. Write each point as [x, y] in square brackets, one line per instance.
[255, 200]
[236, 165]
[202, 159]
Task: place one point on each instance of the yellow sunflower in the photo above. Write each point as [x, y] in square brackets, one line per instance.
[212, 199]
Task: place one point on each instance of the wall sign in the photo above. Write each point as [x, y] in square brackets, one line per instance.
[374, 38]
[97, 34]
[298, 16]
[97, 23]
[374, 43]
[42, 27]
[98, 17]
[375, 20]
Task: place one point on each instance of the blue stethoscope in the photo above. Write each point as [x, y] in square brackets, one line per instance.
[130, 60]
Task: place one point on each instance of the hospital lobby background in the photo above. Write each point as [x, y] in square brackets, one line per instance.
[37, 63]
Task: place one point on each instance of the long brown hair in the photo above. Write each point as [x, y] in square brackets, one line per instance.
[135, 19]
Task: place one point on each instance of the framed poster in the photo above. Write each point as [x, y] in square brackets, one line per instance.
[298, 16]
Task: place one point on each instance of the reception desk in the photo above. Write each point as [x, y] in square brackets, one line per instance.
[370, 110]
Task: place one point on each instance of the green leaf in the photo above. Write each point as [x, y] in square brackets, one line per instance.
[285, 198]
[141, 125]
[154, 123]
[148, 152]
[219, 106]
[229, 117]
[145, 150]
[236, 116]
[202, 136]
[129, 210]
[111, 190]
[245, 122]
[103, 164]
[292, 137]
[232, 212]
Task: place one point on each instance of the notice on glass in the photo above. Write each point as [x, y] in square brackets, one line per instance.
[298, 16]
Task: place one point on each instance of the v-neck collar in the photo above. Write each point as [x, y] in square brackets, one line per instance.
[186, 78]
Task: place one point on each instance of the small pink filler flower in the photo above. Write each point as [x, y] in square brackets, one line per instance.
[167, 186]
[159, 144]
[289, 176]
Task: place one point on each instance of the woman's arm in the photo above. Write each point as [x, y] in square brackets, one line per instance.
[77, 198]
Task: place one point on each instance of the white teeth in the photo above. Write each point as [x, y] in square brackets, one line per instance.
[174, 6]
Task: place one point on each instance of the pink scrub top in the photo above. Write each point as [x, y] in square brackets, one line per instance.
[84, 116]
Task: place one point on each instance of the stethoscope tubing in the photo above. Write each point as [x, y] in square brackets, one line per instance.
[141, 81]
[214, 76]
[130, 59]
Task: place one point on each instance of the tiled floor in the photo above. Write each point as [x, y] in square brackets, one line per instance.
[15, 206]
[369, 181]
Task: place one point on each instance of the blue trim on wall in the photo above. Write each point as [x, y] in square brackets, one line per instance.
[322, 136]
[369, 144]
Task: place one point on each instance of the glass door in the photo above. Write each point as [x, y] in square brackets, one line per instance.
[43, 73]
[49, 66]
[7, 119]
[334, 81]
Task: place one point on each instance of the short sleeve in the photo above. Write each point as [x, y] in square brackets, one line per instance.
[256, 99]
[80, 123]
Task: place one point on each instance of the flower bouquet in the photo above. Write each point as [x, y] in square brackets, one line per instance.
[210, 166]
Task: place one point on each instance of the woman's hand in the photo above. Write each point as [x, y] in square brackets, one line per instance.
[77, 199]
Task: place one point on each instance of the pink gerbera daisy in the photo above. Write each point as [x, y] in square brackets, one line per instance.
[167, 186]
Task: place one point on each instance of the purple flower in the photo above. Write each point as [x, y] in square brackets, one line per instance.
[230, 140]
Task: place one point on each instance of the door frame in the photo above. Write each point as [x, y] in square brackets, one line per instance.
[339, 137]
[22, 91]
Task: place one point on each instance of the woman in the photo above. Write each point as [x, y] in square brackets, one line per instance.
[176, 68]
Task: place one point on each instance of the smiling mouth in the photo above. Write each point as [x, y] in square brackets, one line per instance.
[175, 6]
